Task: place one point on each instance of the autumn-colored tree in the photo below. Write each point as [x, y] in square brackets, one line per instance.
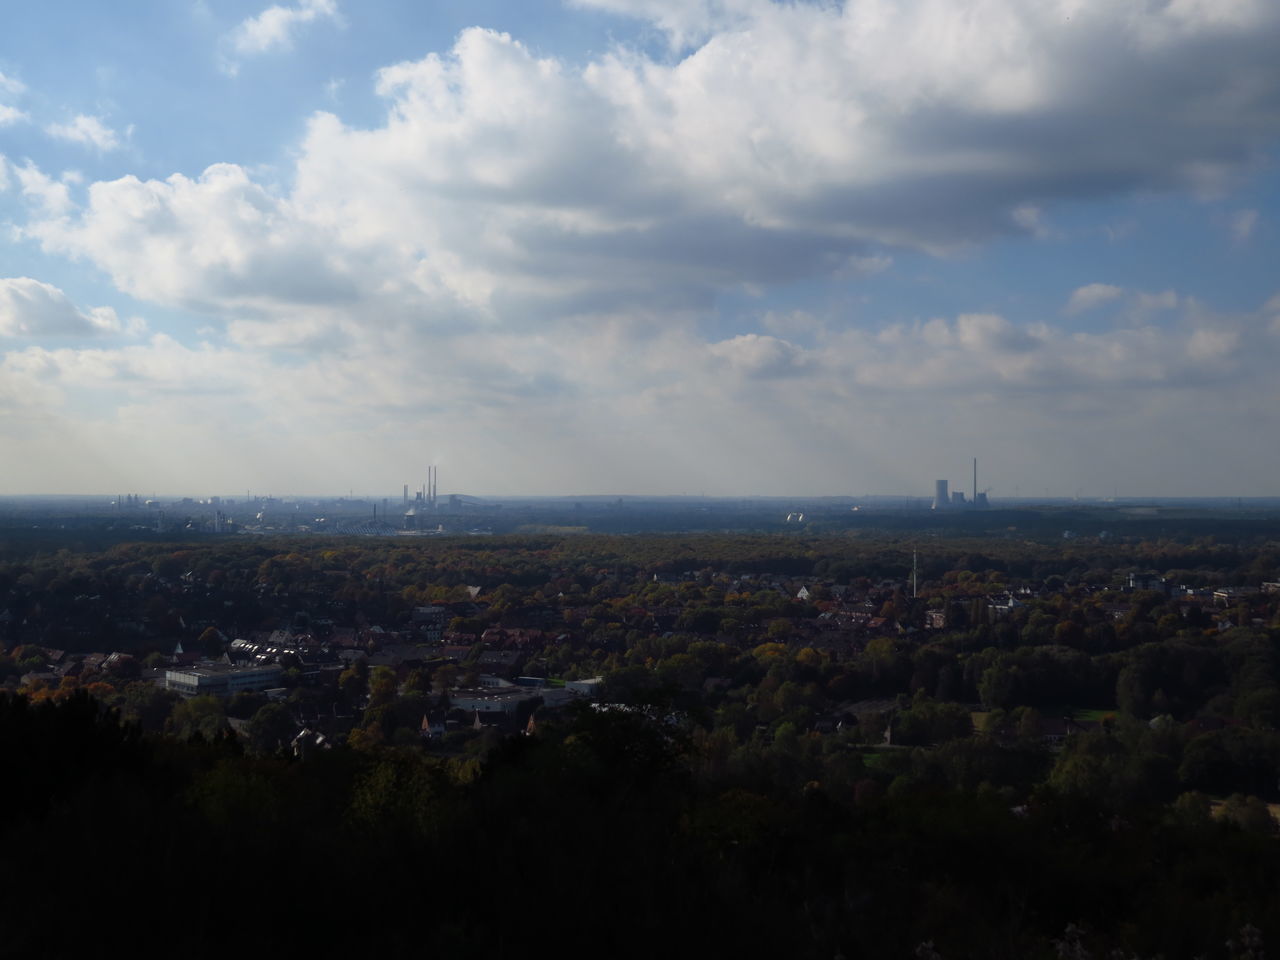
[382, 686]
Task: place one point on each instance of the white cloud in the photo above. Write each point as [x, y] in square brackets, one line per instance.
[866, 266]
[1152, 302]
[1090, 296]
[792, 323]
[30, 308]
[52, 198]
[684, 21]
[10, 114]
[611, 404]
[1031, 219]
[275, 26]
[797, 140]
[756, 356]
[87, 131]
[217, 241]
[1212, 344]
[1243, 224]
[789, 143]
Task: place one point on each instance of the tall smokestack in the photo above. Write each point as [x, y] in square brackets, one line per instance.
[435, 481]
[975, 480]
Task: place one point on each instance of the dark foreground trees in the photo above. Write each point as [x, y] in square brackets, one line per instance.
[598, 831]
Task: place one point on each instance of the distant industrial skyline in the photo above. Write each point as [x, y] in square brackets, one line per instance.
[427, 493]
[641, 246]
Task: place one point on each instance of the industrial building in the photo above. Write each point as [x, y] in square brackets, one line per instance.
[956, 499]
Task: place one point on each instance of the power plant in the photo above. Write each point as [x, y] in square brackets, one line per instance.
[940, 501]
[957, 501]
[426, 494]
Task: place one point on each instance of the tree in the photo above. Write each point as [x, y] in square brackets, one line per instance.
[271, 728]
[1133, 693]
[353, 681]
[998, 685]
[1248, 813]
[416, 682]
[445, 677]
[147, 705]
[928, 721]
[382, 686]
[203, 716]
[210, 643]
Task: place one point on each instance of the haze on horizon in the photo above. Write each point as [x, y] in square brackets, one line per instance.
[641, 246]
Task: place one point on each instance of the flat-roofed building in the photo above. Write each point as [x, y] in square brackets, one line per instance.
[491, 700]
[221, 680]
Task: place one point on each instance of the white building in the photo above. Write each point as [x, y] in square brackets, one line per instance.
[220, 679]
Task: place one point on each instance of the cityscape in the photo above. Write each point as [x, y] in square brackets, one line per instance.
[422, 511]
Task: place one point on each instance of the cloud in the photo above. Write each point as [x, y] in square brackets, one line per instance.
[1210, 344]
[219, 241]
[1242, 225]
[988, 352]
[1031, 219]
[795, 141]
[87, 131]
[757, 356]
[51, 197]
[613, 404]
[792, 323]
[30, 308]
[684, 21]
[866, 266]
[1090, 296]
[1153, 302]
[274, 27]
[10, 115]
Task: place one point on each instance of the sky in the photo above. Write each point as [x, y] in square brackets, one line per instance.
[721, 247]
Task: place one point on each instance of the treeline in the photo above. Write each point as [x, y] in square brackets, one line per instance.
[127, 594]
